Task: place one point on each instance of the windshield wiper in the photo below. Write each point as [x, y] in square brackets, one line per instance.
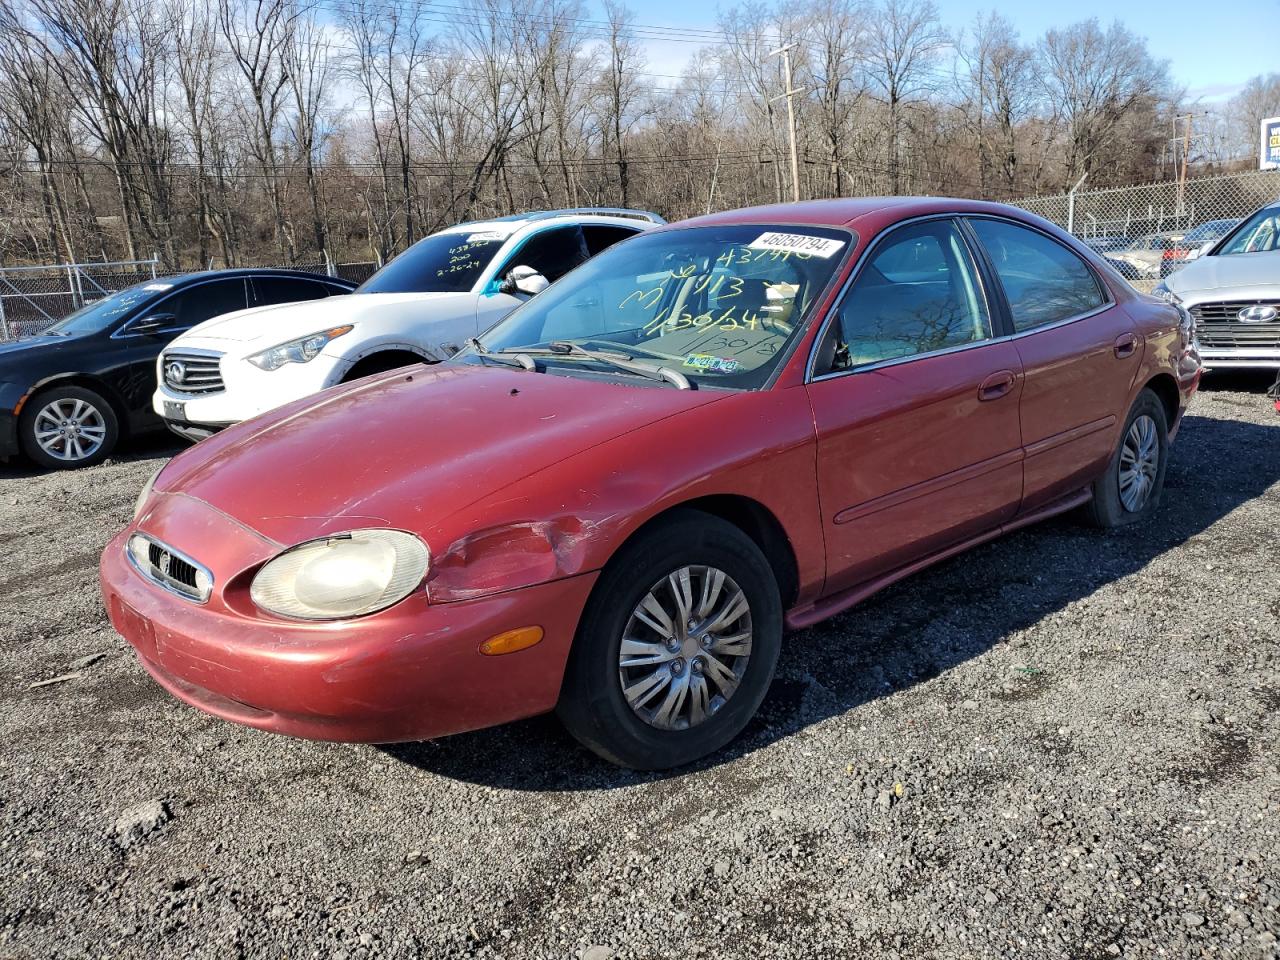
[520, 359]
[622, 361]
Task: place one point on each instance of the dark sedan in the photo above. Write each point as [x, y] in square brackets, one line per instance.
[68, 395]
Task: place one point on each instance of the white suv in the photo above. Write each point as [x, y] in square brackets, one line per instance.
[422, 306]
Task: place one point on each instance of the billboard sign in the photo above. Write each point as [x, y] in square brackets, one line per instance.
[1269, 159]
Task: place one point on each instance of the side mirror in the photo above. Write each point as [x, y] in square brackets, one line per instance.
[1195, 252]
[152, 323]
[524, 280]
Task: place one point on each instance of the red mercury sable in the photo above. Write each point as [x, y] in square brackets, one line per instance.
[615, 502]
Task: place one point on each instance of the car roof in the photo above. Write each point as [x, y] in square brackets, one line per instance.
[858, 212]
[181, 279]
[512, 222]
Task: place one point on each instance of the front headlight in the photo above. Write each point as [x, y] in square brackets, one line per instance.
[346, 575]
[1162, 291]
[146, 492]
[300, 350]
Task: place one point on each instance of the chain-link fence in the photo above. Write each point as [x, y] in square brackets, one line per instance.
[1147, 231]
[34, 298]
[1151, 230]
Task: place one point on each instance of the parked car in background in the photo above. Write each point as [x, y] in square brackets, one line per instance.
[1233, 293]
[1106, 242]
[422, 306]
[1144, 255]
[616, 500]
[1196, 243]
[1124, 268]
[68, 395]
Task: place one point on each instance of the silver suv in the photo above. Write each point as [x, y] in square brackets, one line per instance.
[1233, 292]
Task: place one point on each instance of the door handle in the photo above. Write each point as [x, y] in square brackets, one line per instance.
[996, 385]
[1126, 344]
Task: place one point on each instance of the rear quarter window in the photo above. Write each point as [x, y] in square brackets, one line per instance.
[1043, 280]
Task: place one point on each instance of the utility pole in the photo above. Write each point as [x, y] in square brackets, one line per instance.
[791, 117]
[1182, 179]
[1182, 142]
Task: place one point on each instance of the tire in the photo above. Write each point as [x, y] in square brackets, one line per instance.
[592, 703]
[67, 427]
[1113, 503]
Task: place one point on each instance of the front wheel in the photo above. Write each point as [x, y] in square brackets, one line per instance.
[1130, 489]
[676, 647]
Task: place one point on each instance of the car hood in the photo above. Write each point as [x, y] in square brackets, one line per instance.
[285, 321]
[16, 347]
[1226, 273]
[406, 450]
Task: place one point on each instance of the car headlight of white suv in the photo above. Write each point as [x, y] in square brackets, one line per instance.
[301, 350]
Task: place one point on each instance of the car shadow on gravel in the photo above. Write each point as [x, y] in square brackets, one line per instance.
[917, 629]
[148, 446]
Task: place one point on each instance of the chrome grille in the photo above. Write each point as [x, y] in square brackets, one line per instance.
[165, 566]
[1238, 334]
[189, 372]
[1218, 325]
[180, 572]
[1227, 311]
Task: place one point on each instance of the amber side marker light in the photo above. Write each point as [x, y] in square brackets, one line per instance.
[511, 641]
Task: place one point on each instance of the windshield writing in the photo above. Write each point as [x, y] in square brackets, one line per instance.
[716, 303]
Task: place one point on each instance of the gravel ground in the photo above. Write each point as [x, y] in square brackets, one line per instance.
[1064, 744]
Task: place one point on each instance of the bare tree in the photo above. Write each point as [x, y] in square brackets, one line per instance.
[258, 36]
[904, 40]
[310, 72]
[998, 92]
[1097, 80]
[1259, 99]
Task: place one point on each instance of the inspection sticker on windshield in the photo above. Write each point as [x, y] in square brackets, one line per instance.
[710, 364]
[823, 247]
[484, 237]
[158, 286]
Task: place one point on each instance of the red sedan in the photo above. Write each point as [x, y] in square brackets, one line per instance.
[615, 502]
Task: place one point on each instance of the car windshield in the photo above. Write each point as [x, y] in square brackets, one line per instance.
[97, 316]
[443, 263]
[718, 304]
[1206, 231]
[1259, 234]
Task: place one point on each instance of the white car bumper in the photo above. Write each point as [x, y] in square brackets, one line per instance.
[246, 390]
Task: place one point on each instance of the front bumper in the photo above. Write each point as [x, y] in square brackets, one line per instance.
[411, 672]
[11, 395]
[1221, 358]
[8, 434]
[247, 391]
[195, 432]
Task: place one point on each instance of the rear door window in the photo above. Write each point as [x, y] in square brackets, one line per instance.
[273, 290]
[204, 301]
[1043, 280]
[600, 237]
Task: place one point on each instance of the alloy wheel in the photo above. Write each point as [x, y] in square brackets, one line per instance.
[70, 429]
[685, 648]
[1139, 463]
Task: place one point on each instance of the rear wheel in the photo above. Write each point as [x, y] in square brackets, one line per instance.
[1134, 480]
[676, 647]
[70, 426]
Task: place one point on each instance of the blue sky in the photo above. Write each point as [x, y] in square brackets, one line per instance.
[1212, 47]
